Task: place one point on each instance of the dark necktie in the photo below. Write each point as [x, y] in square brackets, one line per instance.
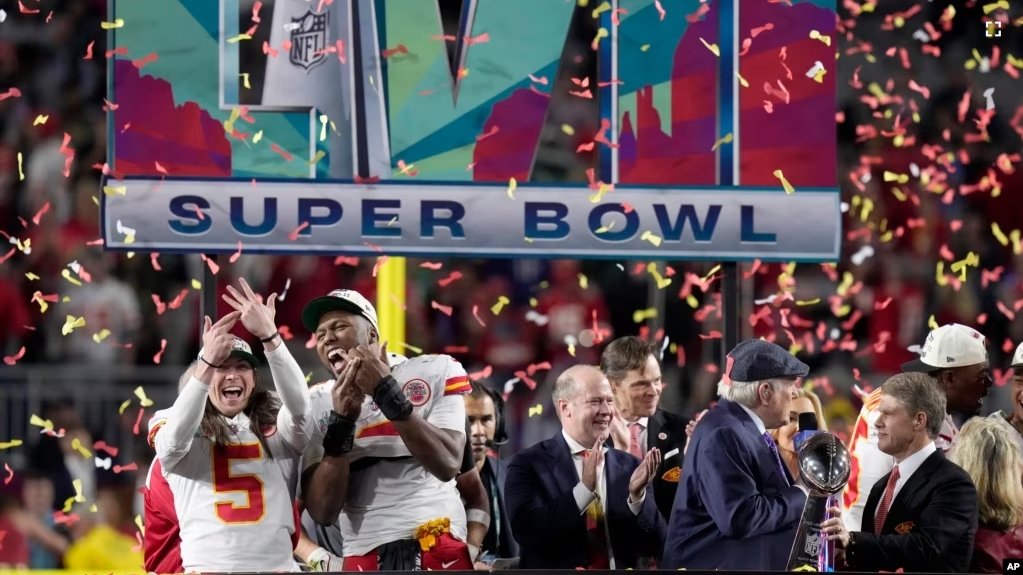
[777, 456]
[596, 532]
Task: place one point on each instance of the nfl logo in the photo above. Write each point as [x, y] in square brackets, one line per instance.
[309, 40]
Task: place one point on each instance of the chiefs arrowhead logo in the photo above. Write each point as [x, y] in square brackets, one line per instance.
[672, 474]
[903, 528]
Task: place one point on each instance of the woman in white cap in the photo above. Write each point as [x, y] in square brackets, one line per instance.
[230, 455]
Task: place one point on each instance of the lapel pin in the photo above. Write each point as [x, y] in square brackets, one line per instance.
[662, 436]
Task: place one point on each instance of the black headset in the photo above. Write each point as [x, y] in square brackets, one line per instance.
[500, 433]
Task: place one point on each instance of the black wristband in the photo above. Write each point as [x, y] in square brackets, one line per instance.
[271, 338]
[391, 400]
[340, 437]
[203, 359]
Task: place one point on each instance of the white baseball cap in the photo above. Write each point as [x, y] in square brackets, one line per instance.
[1017, 358]
[951, 345]
[241, 350]
[339, 299]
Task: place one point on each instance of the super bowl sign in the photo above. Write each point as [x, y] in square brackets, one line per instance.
[278, 124]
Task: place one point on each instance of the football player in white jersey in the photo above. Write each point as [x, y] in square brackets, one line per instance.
[388, 444]
[230, 456]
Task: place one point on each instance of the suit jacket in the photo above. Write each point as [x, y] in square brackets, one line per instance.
[496, 470]
[548, 525]
[930, 525]
[736, 508]
[673, 427]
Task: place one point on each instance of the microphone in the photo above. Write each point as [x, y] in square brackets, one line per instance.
[491, 444]
[807, 427]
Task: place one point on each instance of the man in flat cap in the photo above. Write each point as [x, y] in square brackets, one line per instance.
[737, 506]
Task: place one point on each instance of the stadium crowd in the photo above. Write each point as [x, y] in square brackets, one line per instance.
[860, 334]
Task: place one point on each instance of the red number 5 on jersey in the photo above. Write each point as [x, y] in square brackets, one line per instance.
[249, 484]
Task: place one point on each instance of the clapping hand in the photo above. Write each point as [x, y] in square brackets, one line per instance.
[217, 341]
[593, 459]
[690, 428]
[834, 527]
[644, 474]
[373, 366]
[256, 316]
[619, 431]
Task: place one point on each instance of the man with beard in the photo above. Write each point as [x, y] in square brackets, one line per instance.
[955, 356]
[388, 444]
[631, 367]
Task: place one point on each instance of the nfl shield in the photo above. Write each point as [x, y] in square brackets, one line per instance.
[309, 39]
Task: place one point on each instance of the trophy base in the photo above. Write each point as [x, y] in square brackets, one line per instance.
[809, 550]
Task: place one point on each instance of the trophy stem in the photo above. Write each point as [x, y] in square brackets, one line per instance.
[810, 545]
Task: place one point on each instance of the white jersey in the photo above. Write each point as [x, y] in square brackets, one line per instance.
[870, 464]
[389, 498]
[234, 505]
[307, 72]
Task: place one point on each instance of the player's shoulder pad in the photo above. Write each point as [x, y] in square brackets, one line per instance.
[443, 372]
[155, 423]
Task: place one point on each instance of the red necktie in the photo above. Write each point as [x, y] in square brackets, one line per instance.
[634, 447]
[886, 501]
[596, 532]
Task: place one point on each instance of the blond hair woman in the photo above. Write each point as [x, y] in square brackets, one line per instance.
[986, 449]
[806, 402]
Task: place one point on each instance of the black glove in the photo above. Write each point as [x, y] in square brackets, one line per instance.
[340, 437]
[391, 400]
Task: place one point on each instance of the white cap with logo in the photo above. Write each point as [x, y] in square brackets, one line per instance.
[339, 299]
[951, 345]
[242, 350]
[1017, 358]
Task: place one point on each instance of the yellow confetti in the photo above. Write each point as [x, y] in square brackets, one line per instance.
[601, 34]
[93, 508]
[604, 7]
[662, 282]
[644, 47]
[140, 525]
[99, 337]
[605, 229]
[229, 123]
[21, 172]
[512, 184]
[37, 421]
[960, 266]
[320, 154]
[118, 23]
[79, 494]
[71, 323]
[596, 196]
[238, 38]
[76, 444]
[784, 183]
[815, 35]
[124, 405]
[999, 235]
[932, 323]
[256, 138]
[652, 238]
[308, 377]
[141, 394]
[196, 285]
[536, 410]
[847, 282]
[1000, 5]
[568, 130]
[11, 443]
[809, 301]
[31, 276]
[115, 190]
[323, 127]
[641, 315]
[1017, 247]
[584, 283]
[40, 119]
[742, 80]
[726, 139]
[66, 274]
[501, 302]
[571, 349]
[413, 348]
[712, 47]
[818, 76]
[692, 301]
[245, 81]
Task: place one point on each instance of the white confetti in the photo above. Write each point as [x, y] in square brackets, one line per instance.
[921, 36]
[861, 256]
[766, 300]
[123, 229]
[989, 98]
[75, 267]
[3, 15]
[536, 318]
[914, 169]
[287, 286]
[812, 72]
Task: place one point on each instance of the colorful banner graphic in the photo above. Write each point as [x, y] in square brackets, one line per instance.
[713, 95]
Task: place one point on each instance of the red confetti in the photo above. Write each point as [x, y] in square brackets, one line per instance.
[10, 476]
[12, 359]
[146, 60]
[444, 309]
[102, 446]
[163, 347]
[25, 10]
[453, 276]
[237, 254]
[138, 421]
[88, 51]
[293, 236]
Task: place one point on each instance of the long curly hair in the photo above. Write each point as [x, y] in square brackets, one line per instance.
[261, 410]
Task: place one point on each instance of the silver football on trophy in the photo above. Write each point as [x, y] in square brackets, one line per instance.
[824, 463]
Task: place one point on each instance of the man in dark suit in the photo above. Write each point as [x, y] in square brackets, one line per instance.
[922, 516]
[632, 368]
[574, 503]
[485, 409]
[737, 507]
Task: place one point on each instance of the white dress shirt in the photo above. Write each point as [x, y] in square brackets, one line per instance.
[644, 427]
[907, 468]
[583, 496]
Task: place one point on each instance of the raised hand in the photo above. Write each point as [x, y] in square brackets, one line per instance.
[593, 460]
[644, 474]
[256, 316]
[619, 431]
[373, 365]
[347, 397]
[217, 341]
[690, 428]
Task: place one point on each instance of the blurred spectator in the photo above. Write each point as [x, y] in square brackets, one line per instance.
[59, 460]
[14, 551]
[99, 545]
[571, 307]
[988, 450]
[46, 546]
